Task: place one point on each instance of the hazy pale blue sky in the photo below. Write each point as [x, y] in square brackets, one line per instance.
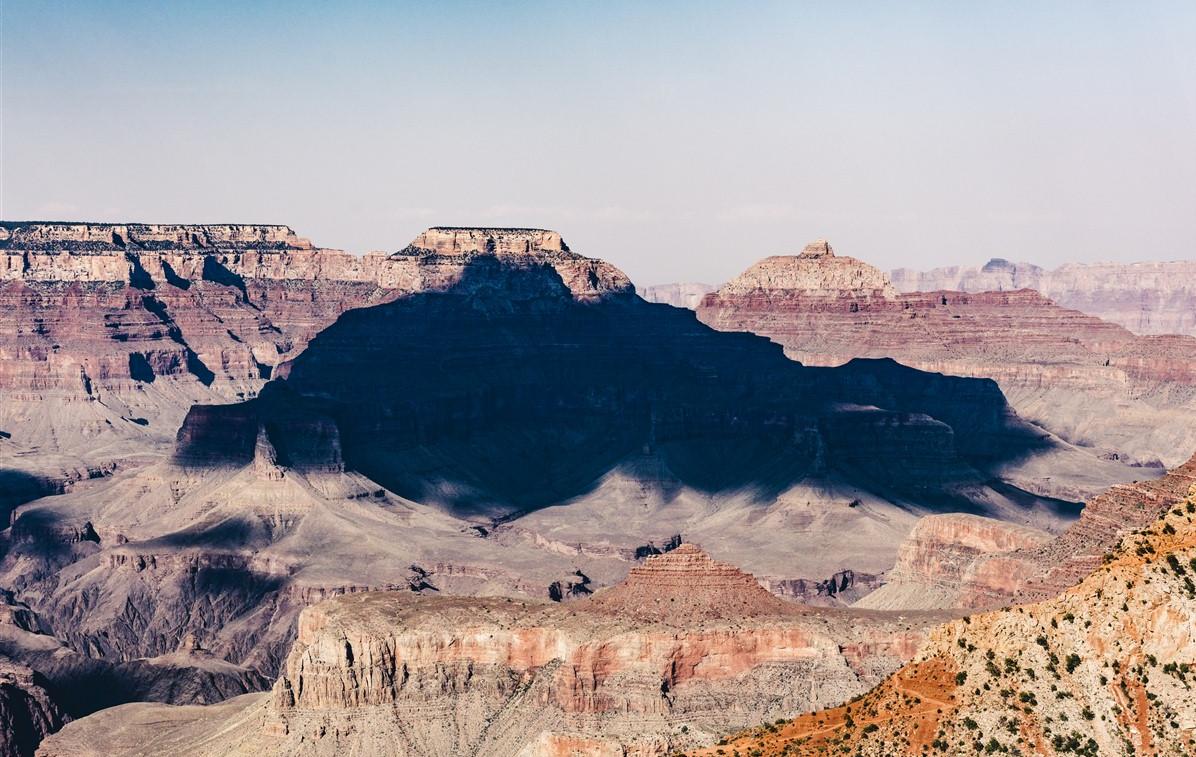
[681, 141]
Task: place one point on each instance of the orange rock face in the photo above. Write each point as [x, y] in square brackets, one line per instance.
[1103, 668]
[942, 563]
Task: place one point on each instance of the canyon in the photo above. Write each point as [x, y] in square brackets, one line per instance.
[110, 332]
[486, 435]
[1092, 383]
[229, 457]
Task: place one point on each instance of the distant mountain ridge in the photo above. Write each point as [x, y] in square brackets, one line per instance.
[1146, 298]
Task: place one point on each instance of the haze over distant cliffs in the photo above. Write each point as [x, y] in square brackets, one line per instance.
[1093, 383]
[1146, 298]
[678, 295]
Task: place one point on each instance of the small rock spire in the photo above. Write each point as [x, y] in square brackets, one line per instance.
[265, 457]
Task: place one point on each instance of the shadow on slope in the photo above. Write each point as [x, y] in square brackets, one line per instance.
[504, 394]
[18, 487]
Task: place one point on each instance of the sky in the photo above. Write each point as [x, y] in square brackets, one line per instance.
[681, 141]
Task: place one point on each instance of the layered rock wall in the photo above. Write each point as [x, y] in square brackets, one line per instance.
[395, 674]
[1104, 668]
[28, 713]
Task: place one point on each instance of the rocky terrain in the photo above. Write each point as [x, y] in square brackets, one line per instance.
[1091, 382]
[973, 562]
[684, 649]
[27, 711]
[1146, 298]
[1105, 668]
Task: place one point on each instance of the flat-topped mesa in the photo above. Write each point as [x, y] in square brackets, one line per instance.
[686, 585]
[148, 255]
[107, 237]
[442, 252]
[501, 242]
[816, 272]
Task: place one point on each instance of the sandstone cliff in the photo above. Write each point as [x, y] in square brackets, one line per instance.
[1106, 668]
[938, 565]
[1089, 381]
[684, 649]
[1146, 298]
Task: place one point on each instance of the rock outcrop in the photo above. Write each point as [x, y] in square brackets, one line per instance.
[973, 562]
[1146, 298]
[28, 713]
[686, 587]
[1106, 668]
[684, 649]
[947, 561]
[843, 588]
[816, 272]
[1091, 382]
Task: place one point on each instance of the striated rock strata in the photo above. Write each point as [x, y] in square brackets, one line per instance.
[1105, 668]
[109, 332]
[1089, 381]
[953, 561]
[684, 649]
[942, 564]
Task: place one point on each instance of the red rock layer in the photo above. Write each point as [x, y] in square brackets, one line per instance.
[686, 585]
[1103, 668]
[1090, 381]
[1105, 520]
